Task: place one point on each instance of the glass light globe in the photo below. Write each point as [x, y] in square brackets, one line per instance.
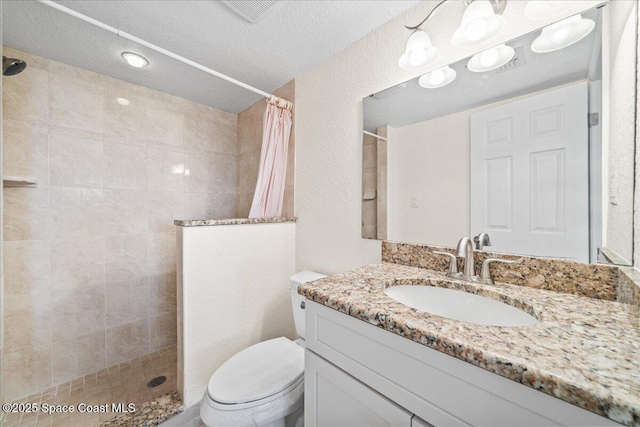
[476, 29]
[561, 34]
[417, 57]
[436, 77]
[489, 57]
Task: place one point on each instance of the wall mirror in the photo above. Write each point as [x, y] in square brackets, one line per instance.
[533, 146]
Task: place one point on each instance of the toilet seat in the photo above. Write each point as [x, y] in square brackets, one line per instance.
[257, 386]
[257, 374]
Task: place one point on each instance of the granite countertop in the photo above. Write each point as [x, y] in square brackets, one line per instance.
[231, 221]
[584, 351]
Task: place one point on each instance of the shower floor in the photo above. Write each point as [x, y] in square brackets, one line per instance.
[123, 383]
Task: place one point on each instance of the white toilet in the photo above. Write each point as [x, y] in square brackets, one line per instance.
[262, 385]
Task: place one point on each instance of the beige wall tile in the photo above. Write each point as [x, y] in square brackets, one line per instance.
[126, 212]
[124, 140]
[243, 205]
[210, 205]
[27, 321]
[127, 301]
[77, 262]
[198, 172]
[26, 371]
[78, 356]
[163, 330]
[226, 140]
[26, 213]
[26, 97]
[125, 257]
[27, 267]
[225, 173]
[248, 168]
[165, 170]
[75, 161]
[25, 150]
[166, 121]
[164, 208]
[210, 173]
[125, 166]
[77, 211]
[76, 101]
[162, 253]
[127, 341]
[250, 123]
[162, 293]
[122, 118]
[78, 311]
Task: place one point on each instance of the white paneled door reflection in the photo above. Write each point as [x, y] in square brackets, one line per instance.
[530, 174]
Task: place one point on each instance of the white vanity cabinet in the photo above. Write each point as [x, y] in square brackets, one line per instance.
[357, 374]
[342, 400]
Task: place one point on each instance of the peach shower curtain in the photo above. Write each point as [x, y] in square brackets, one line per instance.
[276, 131]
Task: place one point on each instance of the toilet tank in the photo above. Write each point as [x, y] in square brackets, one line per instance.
[296, 299]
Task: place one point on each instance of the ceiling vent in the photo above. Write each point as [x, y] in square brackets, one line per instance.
[253, 11]
[518, 60]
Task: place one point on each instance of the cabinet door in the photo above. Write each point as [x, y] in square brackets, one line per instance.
[335, 398]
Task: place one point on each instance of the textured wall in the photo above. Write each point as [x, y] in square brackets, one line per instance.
[233, 292]
[89, 254]
[622, 75]
[250, 123]
[329, 126]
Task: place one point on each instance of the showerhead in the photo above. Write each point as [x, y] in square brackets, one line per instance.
[12, 66]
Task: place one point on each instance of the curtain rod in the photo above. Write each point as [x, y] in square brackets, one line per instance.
[374, 135]
[152, 46]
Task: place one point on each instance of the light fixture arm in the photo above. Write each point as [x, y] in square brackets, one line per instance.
[428, 16]
[498, 7]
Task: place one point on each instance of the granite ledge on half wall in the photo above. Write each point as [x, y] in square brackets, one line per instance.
[552, 274]
[231, 221]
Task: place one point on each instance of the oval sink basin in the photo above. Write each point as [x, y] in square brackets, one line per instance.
[460, 305]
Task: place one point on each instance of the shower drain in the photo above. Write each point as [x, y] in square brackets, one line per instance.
[155, 382]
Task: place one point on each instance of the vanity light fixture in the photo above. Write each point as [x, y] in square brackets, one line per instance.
[135, 60]
[562, 34]
[491, 59]
[480, 22]
[536, 9]
[419, 51]
[437, 78]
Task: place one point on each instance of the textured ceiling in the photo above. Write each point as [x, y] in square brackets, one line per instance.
[296, 37]
[402, 106]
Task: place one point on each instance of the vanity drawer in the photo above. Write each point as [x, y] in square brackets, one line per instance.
[440, 389]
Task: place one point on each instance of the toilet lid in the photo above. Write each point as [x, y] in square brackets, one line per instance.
[257, 372]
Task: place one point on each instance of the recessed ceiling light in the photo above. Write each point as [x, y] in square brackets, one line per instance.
[123, 101]
[135, 60]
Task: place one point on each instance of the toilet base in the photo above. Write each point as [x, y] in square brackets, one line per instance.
[285, 409]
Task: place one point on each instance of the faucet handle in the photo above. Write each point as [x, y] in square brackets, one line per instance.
[485, 274]
[482, 240]
[453, 261]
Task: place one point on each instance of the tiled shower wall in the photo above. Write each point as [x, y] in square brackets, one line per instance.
[249, 146]
[89, 254]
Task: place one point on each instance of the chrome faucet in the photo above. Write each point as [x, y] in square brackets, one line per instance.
[482, 240]
[465, 250]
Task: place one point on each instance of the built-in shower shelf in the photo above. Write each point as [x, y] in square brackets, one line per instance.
[19, 181]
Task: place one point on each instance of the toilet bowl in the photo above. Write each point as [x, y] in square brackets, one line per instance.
[263, 385]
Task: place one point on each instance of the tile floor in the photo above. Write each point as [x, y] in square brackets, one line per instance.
[123, 383]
